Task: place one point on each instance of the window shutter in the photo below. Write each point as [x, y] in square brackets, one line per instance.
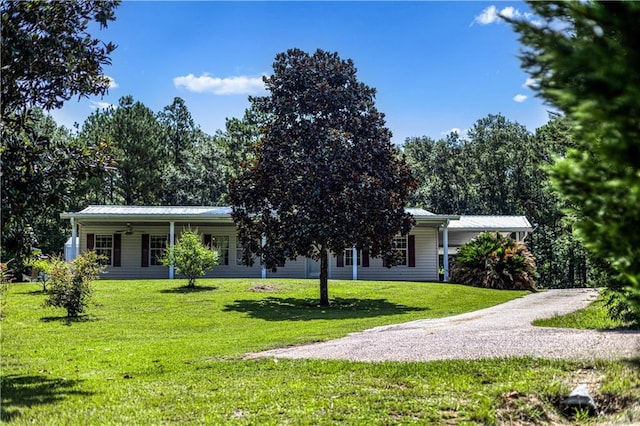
[117, 249]
[145, 250]
[207, 240]
[365, 258]
[340, 260]
[91, 241]
[412, 251]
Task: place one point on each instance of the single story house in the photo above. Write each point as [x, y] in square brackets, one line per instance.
[132, 238]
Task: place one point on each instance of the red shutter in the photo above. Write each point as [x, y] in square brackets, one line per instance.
[340, 260]
[117, 249]
[207, 240]
[365, 258]
[91, 241]
[145, 251]
[412, 251]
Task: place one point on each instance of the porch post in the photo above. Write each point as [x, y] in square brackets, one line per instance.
[445, 249]
[172, 233]
[74, 237]
[354, 272]
[263, 272]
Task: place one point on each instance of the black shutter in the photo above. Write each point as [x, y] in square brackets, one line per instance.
[117, 249]
[145, 251]
[207, 240]
[91, 241]
[365, 258]
[340, 260]
[412, 251]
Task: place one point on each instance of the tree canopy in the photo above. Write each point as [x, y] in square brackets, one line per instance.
[48, 56]
[585, 58]
[325, 176]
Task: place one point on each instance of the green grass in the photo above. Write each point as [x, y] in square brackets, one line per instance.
[150, 352]
[593, 317]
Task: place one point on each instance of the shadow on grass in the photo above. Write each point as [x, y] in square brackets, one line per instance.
[70, 320]
[185, 289]
[291, 309]
[23, 391]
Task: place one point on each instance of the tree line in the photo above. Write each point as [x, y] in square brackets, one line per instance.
[163, 158]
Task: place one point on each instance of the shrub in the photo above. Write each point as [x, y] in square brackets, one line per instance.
[6, 276]
[42, 266]
[190, 257]
[70, 284]
[494, 261]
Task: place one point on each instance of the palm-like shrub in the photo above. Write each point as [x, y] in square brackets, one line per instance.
[495, 261]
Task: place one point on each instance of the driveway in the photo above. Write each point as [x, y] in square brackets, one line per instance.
[500, 331]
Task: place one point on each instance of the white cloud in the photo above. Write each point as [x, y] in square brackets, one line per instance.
[237, 85]
[101, 105]
[112, 82]
[452, 130]
[520, 98]
[488, 16]
[491, 15]
[529, 83]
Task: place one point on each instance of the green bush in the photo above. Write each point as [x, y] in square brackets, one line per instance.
[70, 284]
[494, 261]
[190, 257]
[6, 276]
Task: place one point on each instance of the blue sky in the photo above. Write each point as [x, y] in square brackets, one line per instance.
[436, 66]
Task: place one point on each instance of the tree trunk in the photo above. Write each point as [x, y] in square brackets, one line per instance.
[324, 277]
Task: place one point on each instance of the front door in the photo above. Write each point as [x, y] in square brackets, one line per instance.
[313, 268]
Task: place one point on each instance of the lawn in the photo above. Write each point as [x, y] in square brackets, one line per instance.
[593, 317]
[150, 352]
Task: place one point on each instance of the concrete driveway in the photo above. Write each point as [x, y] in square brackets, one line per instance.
[500, 331]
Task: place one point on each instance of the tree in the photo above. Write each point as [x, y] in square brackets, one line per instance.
[190, 257]
[41, 164]
[325, 176]
[194, 173]
[49, 56]
[239, 139]
[584, 58]
[137, 135]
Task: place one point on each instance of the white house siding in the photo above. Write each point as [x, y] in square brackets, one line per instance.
[426, 245]
[458, 238]
[131, 258]
[426, 268]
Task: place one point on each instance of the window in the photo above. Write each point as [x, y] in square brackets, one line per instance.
[157, 244]
[221, 244]
[401, 247]
[104, 247]
[348, 257]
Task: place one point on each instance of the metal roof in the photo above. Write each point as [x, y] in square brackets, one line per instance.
[149, 212]
[489, 223]
[123, 213]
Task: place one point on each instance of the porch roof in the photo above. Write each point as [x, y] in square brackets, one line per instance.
[492, 223]
[195, 213]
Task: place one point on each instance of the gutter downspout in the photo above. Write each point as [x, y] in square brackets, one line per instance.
[354, 273]
[172, 233]
[263, 272]
[445, 250]
[74, 236]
